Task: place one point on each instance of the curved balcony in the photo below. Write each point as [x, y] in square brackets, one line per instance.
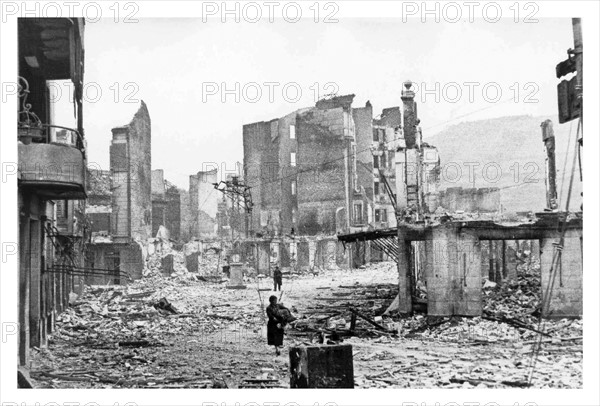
[52, 162]
[53, 170]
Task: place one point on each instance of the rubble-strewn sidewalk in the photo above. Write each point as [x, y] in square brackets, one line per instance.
[182, 332]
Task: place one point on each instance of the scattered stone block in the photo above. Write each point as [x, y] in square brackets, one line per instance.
[191, 262]
[167, 265]
[236, 276]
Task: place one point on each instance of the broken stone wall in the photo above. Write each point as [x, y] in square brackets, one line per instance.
[287, 196]
[124, 260]
[158, 214]
[204, 203]
[567, 287]
[185, 222]
[261, 171]
[173, 213]
[130, 161]
[486, 200]
[363, 122]
[321, 190]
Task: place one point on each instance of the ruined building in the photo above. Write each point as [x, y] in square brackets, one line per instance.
[166, 206]
[451, 256]
[302, 170]
[203, 203]
[377, 141]
[119, 254]
[51, 177]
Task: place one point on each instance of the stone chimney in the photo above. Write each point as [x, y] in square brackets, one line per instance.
[410, 115]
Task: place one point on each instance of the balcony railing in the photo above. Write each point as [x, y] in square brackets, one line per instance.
[51, 157]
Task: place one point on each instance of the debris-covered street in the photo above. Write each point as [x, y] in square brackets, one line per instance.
[208, 336]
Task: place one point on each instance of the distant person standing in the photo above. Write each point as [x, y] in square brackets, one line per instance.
[277, 279]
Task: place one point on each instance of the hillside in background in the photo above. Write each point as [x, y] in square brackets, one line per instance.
[507, 152]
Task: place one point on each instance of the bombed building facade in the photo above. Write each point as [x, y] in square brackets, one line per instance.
[166, 206]
[203, 204]
[117, 248]
[321, 170]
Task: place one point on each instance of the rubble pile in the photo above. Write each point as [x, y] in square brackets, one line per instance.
[510, 314]
[210, 262]
[517, 298]
[153, 265]
[356, 309]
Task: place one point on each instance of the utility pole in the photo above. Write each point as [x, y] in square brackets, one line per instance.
[548, 139]
[578, 52]
[238, 192]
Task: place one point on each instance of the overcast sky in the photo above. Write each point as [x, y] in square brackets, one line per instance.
[168, 60]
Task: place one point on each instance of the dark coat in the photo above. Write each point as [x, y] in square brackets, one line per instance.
[278, 276]
[274, 333]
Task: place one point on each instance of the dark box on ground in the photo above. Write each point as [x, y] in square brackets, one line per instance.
[321, 366]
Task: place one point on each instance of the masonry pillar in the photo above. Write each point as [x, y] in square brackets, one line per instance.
[264, 257]
[404, 274]
[284, 254]
[440, 296]
[567, 293]
[429, 257]
[35, 281]
[303, 255]
[454, 288]
[312, 249]
[341, 255]
[467, 276]
[485, 258]
[535, 250]
[510, 260]
[331, 254]
[499, 260]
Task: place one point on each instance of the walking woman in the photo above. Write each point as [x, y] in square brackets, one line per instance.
[275, 325]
